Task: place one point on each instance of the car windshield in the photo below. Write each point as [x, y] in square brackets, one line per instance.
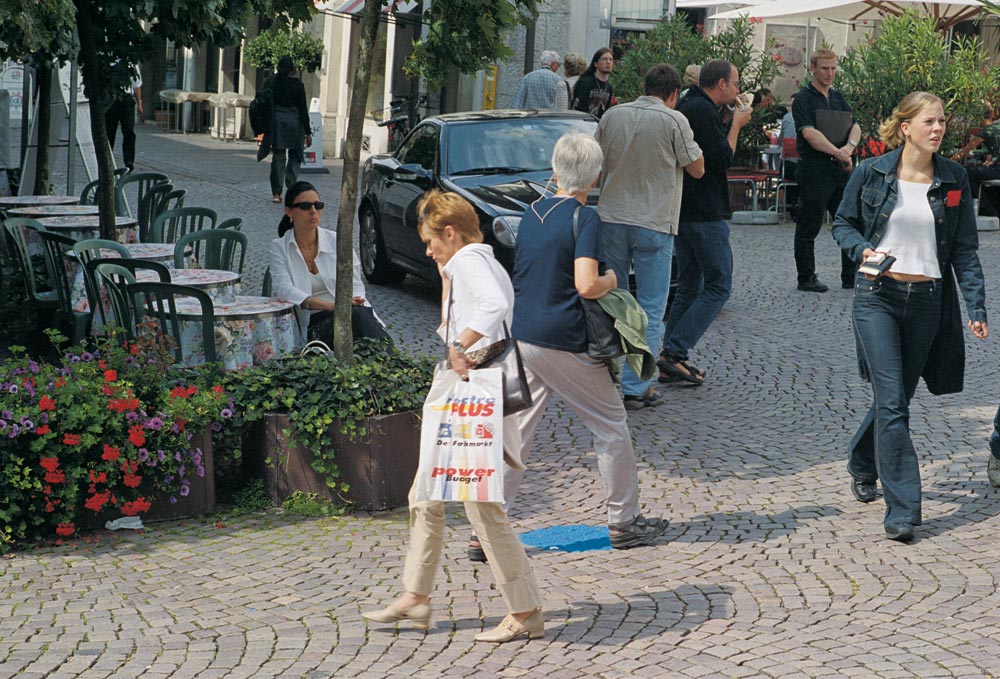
[508, 146]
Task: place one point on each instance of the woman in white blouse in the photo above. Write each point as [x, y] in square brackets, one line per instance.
[303, 265]
[481, 298]
[912, 204]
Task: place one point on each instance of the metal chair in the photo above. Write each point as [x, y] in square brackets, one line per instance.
[150, 205]
[17, 248]
[172, 224]
[143, 181]
[213, 249]
[158, 301]
[55, 246]
[789, 152]
[235, 223]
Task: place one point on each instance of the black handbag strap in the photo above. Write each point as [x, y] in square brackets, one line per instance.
[576, 224]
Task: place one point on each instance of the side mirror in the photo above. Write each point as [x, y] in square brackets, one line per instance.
[411, 172]
[386, 165]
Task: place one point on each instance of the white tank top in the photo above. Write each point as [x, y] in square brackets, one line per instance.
[909, 232]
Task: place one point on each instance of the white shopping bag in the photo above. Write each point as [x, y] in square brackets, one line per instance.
[461, 438]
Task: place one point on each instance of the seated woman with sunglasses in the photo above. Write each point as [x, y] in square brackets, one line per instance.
[303, 261]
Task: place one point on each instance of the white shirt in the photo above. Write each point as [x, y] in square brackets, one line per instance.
[291, 279]
[909, 232]
[482, 295]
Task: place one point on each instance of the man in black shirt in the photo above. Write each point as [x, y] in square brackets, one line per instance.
[824, 165]
[704, 258]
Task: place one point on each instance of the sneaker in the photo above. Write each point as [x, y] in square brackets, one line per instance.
[993, 470]
[638, 531]
[647, 399]
[813, 285]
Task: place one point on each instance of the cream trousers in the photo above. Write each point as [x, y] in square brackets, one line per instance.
[509, 563]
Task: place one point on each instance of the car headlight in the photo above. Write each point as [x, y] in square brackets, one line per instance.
[505, 229]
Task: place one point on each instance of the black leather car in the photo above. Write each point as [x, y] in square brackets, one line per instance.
[498, 160]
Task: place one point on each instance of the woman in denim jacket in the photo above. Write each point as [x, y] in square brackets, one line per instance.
[915, 205]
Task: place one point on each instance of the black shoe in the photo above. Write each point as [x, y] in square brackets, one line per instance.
[900, 531]
[475, 551]
[130, 168]
[647, 399]
[813, 285]
[847, 284]
[863, 491]
[638, 531]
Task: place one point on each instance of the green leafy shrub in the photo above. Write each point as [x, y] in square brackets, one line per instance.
[264, 50]
[909, 54]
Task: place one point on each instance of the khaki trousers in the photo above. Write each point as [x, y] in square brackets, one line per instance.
[586, 386]
[509, 563]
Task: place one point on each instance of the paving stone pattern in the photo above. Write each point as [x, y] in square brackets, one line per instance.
[769, 569]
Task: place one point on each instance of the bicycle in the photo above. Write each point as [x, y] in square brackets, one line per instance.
[399, 117]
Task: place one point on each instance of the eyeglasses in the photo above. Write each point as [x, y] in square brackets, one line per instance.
[306, 205]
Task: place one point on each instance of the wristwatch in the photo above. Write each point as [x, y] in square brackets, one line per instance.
[852, 143]
[458, 347]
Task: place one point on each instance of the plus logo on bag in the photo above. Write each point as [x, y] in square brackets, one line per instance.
[461, 439]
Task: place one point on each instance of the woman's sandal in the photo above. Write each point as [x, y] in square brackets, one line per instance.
[678, 370]
[474, 550]
[275, 198]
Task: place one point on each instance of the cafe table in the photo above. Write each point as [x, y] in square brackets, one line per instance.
[8, 202]
[80, 227]
[249, 330]
[38, 211]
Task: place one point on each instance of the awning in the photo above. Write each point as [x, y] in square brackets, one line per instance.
[356, 6]
[946, 12]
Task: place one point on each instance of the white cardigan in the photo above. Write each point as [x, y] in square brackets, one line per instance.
[482, 295]
[290, 277]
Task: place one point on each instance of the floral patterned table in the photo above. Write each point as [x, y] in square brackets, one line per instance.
[80, 227]
[220, 284]
[36, 211]
[28, 201]
[248, 330]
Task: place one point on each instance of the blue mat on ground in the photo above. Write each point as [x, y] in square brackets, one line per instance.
[568, 538]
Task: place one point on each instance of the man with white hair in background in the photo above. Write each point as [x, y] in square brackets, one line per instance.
[543, 88]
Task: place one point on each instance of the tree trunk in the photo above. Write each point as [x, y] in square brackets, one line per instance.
[349, 187]
[97, 93]
[44, 74]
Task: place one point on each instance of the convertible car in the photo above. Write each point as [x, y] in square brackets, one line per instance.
[498, 160]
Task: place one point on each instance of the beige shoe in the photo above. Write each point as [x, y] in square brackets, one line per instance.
[419, 614]
[510, 629]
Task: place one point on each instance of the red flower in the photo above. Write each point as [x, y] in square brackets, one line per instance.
[132, 480]
[55, 477]
[65, 529]
[60, 382]
[96, 501]
[71, 439]
[50, 507]
[136, 436]
[180, 422]
[46, 403]
[137, 506]
[49, 463]
[217, 389]
[42, 430]
[110, 375]
[111, 453]
[102, 365]
[135, 350]
[98, 478]
[108, 390]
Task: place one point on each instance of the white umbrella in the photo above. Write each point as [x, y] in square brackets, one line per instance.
[947, 12]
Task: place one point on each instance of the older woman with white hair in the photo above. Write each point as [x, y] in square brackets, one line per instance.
[553, 269]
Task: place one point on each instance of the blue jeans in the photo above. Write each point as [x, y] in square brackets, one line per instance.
[648, 253]
[995, 436]
[704, 283]
[894, 324]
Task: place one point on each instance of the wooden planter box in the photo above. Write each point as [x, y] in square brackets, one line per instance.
[379, 468]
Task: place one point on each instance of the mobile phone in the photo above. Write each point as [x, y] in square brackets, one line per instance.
[877, 264]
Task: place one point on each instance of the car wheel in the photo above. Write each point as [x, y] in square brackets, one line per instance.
[374, 261]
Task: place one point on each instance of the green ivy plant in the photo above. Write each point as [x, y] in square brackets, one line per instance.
[264, 50]
[318, 390]
[909, 54]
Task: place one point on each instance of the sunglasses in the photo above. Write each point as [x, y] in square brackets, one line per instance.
[306, 205]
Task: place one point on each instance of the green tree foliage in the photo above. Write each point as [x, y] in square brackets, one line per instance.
[466, 34]
[909, 54]
[672, 41]
[264, 50]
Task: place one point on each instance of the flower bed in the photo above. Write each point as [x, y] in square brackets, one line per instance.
[112, 430]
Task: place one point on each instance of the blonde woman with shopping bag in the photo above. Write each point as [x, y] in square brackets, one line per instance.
[477, 300]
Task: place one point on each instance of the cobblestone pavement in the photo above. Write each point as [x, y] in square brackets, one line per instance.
[769, 569]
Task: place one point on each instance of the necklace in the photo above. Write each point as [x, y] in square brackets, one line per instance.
[541, 218]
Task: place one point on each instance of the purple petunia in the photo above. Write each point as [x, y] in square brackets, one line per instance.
[180, 472]
[3, 424]
[33, 367]
[6, 414]
[27, 424]
[87, 356]
[226, 413]
[131, 416]
[14, 430]
[161, 455]
[143, 455]
[185, 490]
[154, 423]
[12, 388]
[177, 456]
[200, 471]
[173, 500]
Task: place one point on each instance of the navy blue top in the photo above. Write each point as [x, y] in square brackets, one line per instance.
[547, 310]
[706, 199]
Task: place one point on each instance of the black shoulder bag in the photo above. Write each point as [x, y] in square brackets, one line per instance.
[603, 340]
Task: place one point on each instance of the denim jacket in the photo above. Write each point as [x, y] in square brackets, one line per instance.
[869, 199]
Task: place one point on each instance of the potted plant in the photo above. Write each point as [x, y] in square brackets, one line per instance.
[112, 431]
[349, 433]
